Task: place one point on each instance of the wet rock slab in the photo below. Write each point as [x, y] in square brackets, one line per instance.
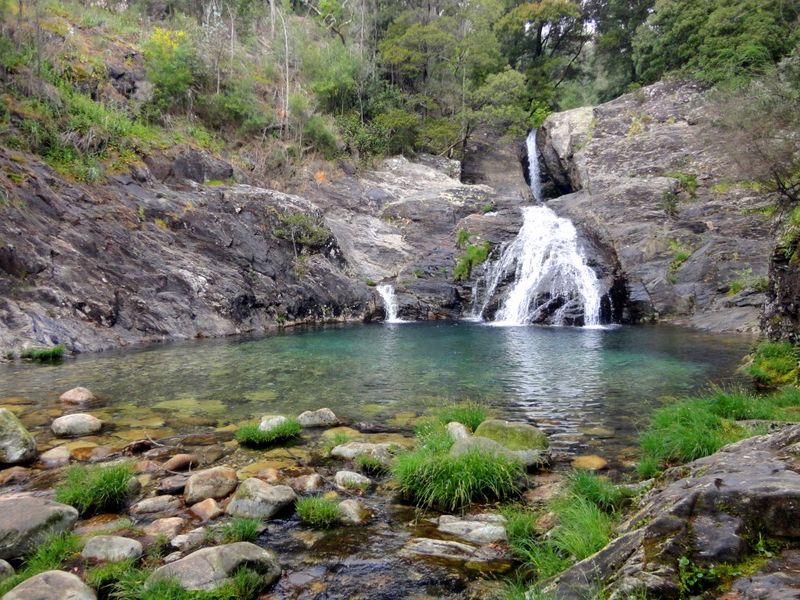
[26, 521]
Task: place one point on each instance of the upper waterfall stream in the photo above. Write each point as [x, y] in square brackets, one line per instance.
[552, 281]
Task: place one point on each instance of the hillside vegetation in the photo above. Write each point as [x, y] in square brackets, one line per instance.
[93, 89]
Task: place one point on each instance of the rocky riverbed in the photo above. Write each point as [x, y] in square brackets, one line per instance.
[187, 487]
[727, 518]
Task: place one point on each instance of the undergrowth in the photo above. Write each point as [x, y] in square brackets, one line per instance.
[317, 512]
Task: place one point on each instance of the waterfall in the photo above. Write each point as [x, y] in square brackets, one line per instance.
[389, 303]
[533, 166]
[552, 282]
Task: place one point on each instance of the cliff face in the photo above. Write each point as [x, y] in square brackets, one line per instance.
[644, 176]
[158, 255]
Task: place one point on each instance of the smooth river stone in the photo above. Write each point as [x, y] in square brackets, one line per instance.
[111, 548]
[156, 504]
[168, 527]
[181, 462]
[55, 457]
[26, 521]
[217, 482]
[256, 499]
[353, 512]
[16, 443]
[78, 395]
[324, 417]
[589, 462]
[76, 425]
[350, 480]
[211, 568]
[206, 510]
[52, 585]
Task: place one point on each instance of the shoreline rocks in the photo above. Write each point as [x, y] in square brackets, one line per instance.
[17, 445]
[26, 521]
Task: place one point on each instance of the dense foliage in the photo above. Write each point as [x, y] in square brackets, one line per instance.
[273, 82]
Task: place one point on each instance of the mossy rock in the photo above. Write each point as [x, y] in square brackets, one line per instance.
[514, 436]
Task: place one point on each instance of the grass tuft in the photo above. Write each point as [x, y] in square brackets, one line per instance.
[432, 478]
[774, 364]
[98, 488]
[370, 465]
[240, 529]
[252, 436]
[50, 555]
[470, 415]
[44, 354]
[696, 427]
[317, 512]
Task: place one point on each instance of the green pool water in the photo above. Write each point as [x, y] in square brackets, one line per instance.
[589, 388]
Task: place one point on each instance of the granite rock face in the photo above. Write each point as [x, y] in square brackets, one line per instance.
[711, 511]
[645, 176]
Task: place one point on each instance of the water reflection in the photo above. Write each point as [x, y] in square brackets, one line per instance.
[565, 379]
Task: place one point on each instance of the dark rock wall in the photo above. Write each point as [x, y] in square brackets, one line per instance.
[653, 185]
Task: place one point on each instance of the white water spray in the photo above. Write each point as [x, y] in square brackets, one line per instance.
[552, 282]
[389, 303]
[533, 166]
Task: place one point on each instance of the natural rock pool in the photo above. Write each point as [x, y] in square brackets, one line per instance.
[590, 389]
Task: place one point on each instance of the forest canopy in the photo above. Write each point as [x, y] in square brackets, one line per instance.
[363, 77]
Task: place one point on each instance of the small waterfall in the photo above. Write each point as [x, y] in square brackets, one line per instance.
[389, 303]
[533, 166]
[552, 282]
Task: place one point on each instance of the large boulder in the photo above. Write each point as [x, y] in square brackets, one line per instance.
[111, 548]
[25, 521]
[513, 435]
[16, 443]
[480, 529]
[216, 482]
[256, 499]
[76, 425]
[51, 585]
[199, 166]
[210, 568]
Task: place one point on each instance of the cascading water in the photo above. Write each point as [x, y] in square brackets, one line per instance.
[552, 282]
[389, 303]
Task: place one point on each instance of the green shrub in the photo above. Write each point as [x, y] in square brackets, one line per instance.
[251, 435]
[104, 577]
[687, 181]
[240, 529]
[44, 354]
[474, 255]
[317, 512]
[97, 488]
[401, 128]
[597, 490]
[172, 65]
[319, 132]
[48, 556]
[470, 415]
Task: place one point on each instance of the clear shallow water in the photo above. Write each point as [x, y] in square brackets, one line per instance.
[590, 388]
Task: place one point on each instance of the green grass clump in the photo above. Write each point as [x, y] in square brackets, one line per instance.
[470, 415]
[240, 529]
[584, 515]
[696, 427]
[317, 512]
[336, 440]
[105, 577]
[773, 364]
[50, 555]
[94, 489]
[371, 465]
[251, 435]
[44, 354]
[244, 584]
[436, 479]
[687, 181]
[474, 255]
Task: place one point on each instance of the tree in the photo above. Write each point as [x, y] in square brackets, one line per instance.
[616, 22]
[543, 40]
[714, 40]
